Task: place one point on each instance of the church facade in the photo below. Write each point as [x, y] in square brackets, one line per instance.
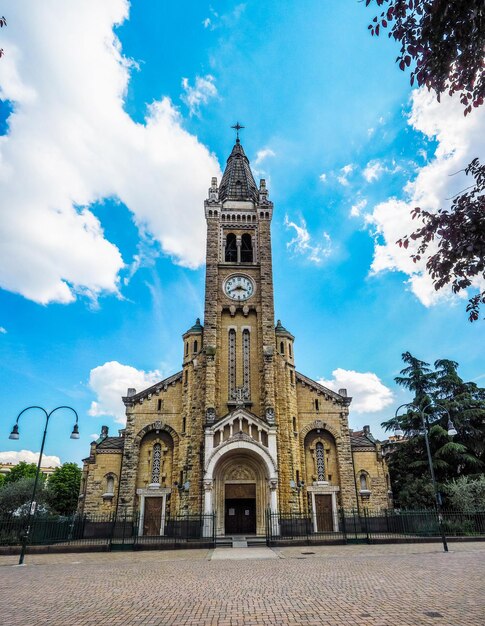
[238, 431]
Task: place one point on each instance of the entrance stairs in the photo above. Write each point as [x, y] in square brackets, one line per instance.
[240, 541]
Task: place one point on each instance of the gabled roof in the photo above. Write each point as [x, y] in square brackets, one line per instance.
[156, 388]
[327, 392]
[238, 182]
[111, 443]
[359, 440]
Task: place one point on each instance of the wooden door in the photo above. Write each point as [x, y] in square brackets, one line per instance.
[323, 512]
[152, 518]
[240, 516]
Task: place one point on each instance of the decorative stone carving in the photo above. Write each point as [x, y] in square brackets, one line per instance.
[210, 415]
[240, 472]
[270, 415]
[273, 484]
[208, 485]
[158, 425]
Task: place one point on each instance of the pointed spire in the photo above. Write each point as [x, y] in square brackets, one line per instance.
[238, 182]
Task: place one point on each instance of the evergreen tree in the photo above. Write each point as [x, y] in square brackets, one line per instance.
[442, 395]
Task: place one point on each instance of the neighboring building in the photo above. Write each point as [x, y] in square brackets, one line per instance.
[6, 467]
[239, 430]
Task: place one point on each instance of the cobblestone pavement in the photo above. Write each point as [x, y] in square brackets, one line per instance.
[394, 585]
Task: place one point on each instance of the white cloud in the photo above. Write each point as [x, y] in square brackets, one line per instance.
[203, 91]
[323, 177]
[258, 164]
[3, 331]
[94, 436]
[28, 456]
[369, 394]
[226, 20]
[346, 170]
[357, 208]
[373, 170]
[263, 154]
[70, 144]
[304, 245]
[111, 381]
[459, 140]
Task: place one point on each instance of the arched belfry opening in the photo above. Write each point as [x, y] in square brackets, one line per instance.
[231, 249]
[246, 249]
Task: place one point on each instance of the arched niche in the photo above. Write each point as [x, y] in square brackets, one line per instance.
[320, 449]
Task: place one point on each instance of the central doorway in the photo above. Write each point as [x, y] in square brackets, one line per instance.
[240, 509]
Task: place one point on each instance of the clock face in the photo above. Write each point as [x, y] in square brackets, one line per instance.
[238, 287]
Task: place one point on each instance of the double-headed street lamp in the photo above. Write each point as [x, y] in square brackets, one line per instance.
[15, 435]
[451, 432]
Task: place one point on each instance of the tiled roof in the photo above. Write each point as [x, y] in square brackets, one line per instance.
[238, 182]
[359, 440]
[111, 443]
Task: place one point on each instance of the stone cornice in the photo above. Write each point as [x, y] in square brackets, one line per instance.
[328, 393]
[153, 390]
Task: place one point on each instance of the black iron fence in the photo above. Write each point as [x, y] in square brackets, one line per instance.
[371, 526]
[129, 532]
[115, 533]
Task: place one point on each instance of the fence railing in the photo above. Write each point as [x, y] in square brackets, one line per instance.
[371, 526]
[121, 532]
[131, 532]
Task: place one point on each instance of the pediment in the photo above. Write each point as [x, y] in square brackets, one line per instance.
[236, 414]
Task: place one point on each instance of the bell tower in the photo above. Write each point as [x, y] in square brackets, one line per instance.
[239, 336]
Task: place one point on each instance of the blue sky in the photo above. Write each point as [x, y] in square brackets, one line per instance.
[113, 118]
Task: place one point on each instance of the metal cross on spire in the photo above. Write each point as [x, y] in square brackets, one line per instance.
[237, 127]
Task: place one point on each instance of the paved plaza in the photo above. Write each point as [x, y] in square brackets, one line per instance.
[387, 585]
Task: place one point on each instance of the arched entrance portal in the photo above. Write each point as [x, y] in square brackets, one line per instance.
[241, 494]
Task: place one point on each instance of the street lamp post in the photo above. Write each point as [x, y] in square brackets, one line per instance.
[451, 431]
[15, 435]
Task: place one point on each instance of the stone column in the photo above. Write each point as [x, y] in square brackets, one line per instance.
[208, 529]
[273, 506]
[238, 248]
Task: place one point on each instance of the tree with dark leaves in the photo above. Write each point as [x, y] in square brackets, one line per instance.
[443, 44]
[460, 236]
[3, 22]
[443, 39]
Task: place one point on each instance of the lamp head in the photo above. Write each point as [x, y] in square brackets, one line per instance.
[451, 429]
[15, 432]
[75, 432]
[398, 432]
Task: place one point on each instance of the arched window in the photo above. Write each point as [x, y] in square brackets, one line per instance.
[294, 424]
[232, 363]
[364, 485]
[195, 345]
[289, 349]
[246, 249]
[292, 378]
[282, 347]
[320, 460]
[316, 405]
[231, 248]
[110, 485]
[156, 459]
